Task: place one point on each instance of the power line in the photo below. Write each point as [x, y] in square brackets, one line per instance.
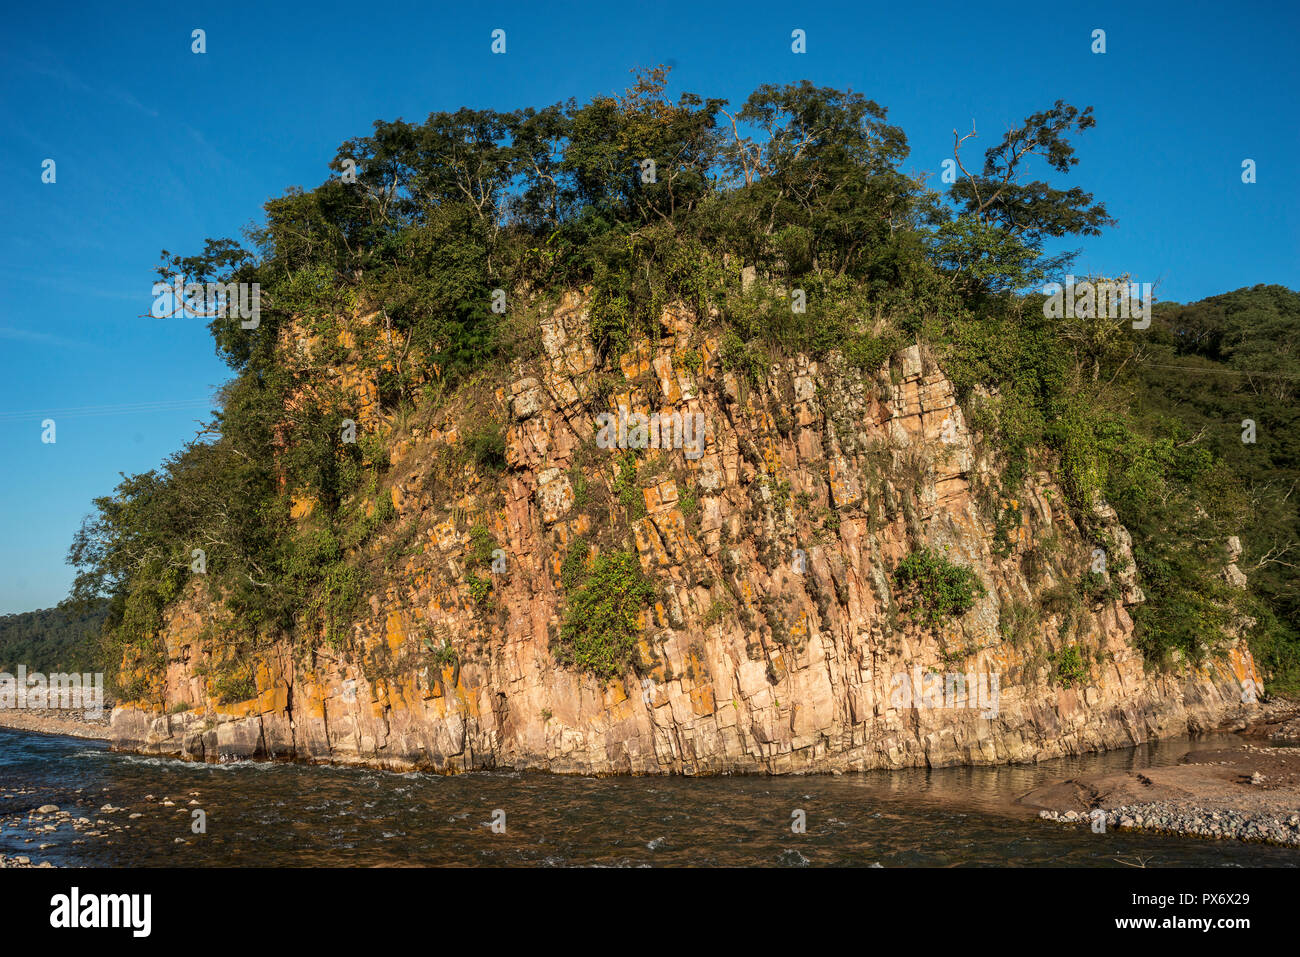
[1270, 375]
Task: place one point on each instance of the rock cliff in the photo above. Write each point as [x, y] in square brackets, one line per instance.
[777, 639]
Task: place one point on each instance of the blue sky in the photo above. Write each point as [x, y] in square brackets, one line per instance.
[157, 147]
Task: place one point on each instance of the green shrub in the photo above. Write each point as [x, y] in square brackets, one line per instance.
[233, 682]
[1018, 621]
[1070, 668]
[717, 612]
[1096, 587]
[443, 654]
[581, 491]
[599, 633]
[934, 589]
[573, 570]
[746, 360]
[688, 502]
[486, 447]
[480, 589]
[625, 486]
[869, 353]
[481, 545]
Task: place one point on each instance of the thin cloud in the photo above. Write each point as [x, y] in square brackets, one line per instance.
[114, 94]
[39, 338]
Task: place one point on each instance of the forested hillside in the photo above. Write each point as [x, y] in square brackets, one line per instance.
[1227, 369]
[789, 223]
[49, 640]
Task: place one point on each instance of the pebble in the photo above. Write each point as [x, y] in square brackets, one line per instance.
[1193, 822]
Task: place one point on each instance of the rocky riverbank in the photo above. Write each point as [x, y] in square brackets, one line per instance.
[1190, 821]
[1247, 793]
[58, 721]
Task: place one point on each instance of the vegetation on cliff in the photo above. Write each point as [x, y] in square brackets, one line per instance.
[600, 632]
[790, 223]
[934, 589]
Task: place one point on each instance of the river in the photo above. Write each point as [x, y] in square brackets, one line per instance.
[262, 814]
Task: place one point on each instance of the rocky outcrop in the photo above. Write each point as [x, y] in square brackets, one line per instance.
[776, 642]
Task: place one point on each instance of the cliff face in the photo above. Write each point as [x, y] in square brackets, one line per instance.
[778, 640]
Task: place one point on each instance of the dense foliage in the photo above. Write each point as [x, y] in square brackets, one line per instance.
[935, 589]
[1209, 367]
[50, 640]
[599, 634]
[427, 227]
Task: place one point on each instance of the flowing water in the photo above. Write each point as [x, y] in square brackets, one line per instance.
[297, 815]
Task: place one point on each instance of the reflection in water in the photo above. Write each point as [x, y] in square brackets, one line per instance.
[296, 815]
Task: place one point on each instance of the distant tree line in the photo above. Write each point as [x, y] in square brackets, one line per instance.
[49, 640]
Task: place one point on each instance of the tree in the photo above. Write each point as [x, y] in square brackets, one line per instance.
[821, 189]
[1005, 220]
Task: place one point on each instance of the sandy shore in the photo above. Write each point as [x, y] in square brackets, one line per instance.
[1250, 792]
[57, 721]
